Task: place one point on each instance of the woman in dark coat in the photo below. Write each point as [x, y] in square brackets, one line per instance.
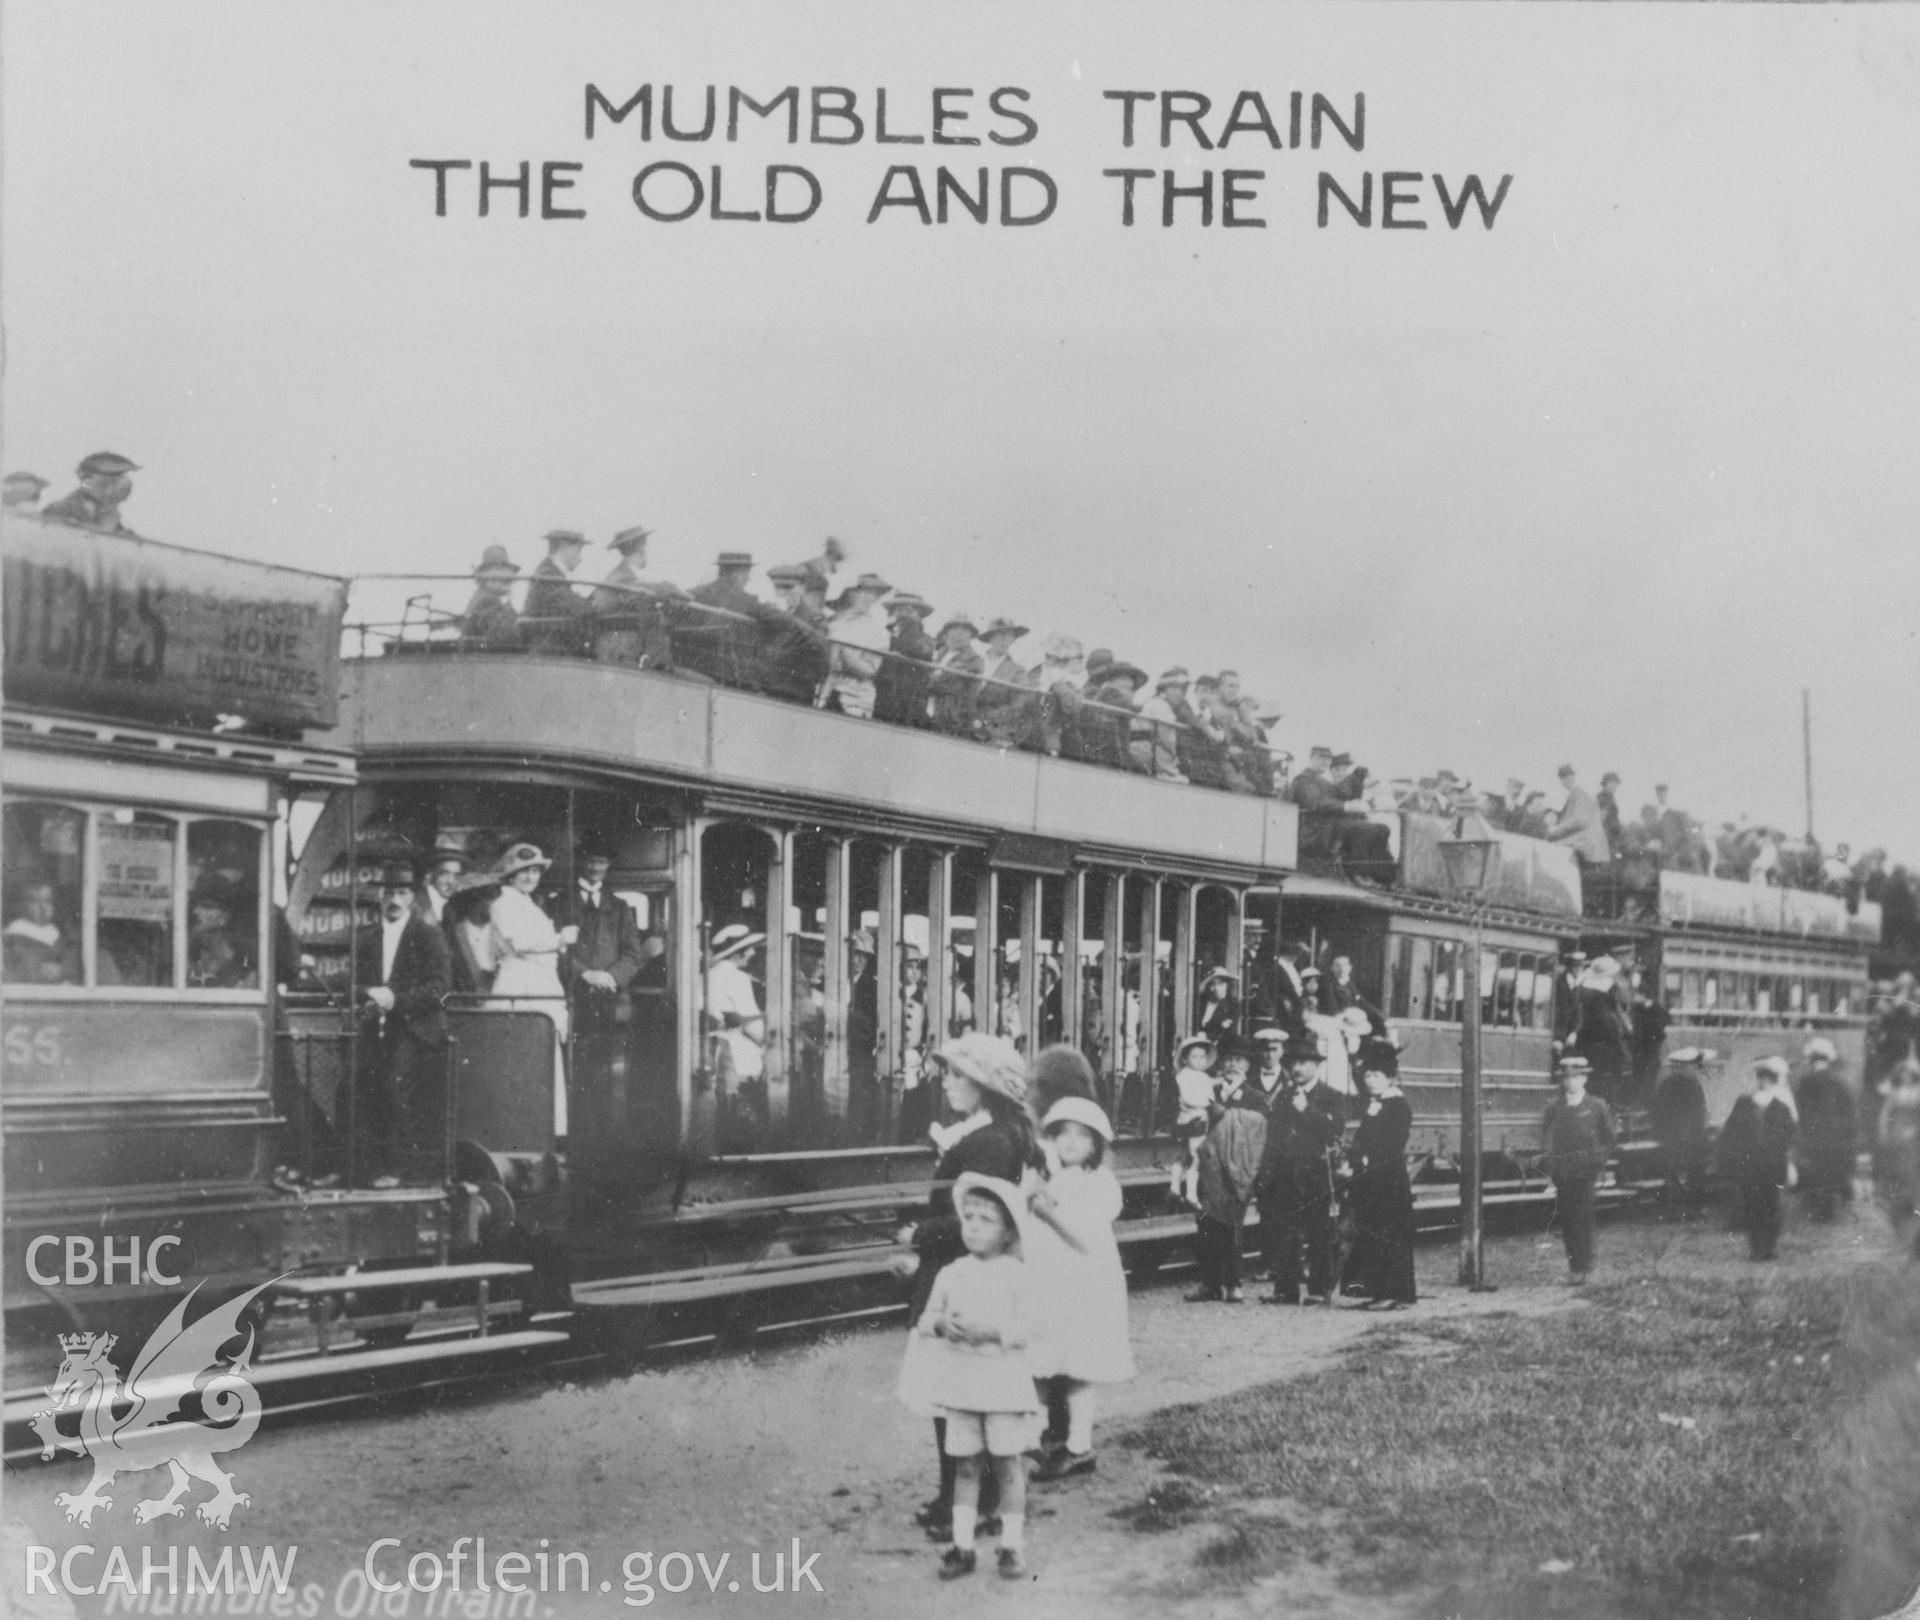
[984, 1079]
[1380, 1195]
[1829, 1138]
[1756, 1151]
[1680, 1127]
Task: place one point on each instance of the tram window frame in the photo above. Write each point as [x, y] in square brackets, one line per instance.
[1400, 977]
[92, 820]
[1505, 996]
[1526, 974]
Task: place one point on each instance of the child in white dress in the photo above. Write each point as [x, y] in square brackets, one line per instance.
[1079, 1285]
[1195, 1082]
[968, 1357]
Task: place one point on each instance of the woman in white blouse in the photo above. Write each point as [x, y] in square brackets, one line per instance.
[527, 947]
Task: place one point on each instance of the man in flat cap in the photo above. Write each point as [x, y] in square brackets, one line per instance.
[20, 491]
[490, 623]
[104, 485]
[794, 655]
[1580, 1137]
[556, 616]
[629, 617]
[1579, 825]
[901, 695]
[723, 642]
[1328, 782]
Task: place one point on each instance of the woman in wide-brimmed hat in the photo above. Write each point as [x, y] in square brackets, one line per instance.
[527, 947]
[984, 1079]
[1380, 1196]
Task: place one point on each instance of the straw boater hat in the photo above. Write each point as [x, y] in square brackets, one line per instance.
[1003, 1193]
[1821, 1047]
[1219, 973]
[1272, 1035]
[518, 858]
[1003, 626]
[1079, 1111]
[1572, 1065]
[1121, 670]
[494, 560]
[991, 1062]
[731, 941]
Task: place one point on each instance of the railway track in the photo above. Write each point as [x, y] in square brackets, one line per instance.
[447, 1351]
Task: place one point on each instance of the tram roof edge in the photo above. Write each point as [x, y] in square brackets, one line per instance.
[686, 733]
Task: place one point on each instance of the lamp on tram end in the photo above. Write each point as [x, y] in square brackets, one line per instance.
[1472, 857]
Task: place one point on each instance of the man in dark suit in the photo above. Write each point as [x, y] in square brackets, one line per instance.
[598, 971]
[403, 976]
[557, 619]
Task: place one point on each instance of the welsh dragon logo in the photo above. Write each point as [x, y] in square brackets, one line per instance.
[139, 1427]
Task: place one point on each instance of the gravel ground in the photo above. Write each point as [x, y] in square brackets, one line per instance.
[743, 1454]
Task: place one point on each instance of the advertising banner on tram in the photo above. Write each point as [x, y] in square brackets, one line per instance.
[114, 624]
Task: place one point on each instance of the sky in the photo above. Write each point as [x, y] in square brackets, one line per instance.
[1609, 482]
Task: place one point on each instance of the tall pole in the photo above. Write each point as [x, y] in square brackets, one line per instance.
[1472, 1256]
[1806, 745]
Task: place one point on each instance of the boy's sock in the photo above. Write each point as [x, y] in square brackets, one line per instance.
[1013, 1530]
[963, 1522]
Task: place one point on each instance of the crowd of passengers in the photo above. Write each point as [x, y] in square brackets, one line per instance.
[867, 652]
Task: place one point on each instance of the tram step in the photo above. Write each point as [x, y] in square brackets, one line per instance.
[720, 1282]
[367, 1282]
[296, 1369]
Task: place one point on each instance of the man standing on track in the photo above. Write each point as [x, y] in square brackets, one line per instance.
[1580, 1136]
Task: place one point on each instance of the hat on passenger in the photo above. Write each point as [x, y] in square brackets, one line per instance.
[628, 541]
[1003, 626]
[1003, 1193]
[963, 620]
[1057, 647]
[556, 538]
[494, 560]
[1079, 1111]
[1611, 776]
[788, 573]
[1099, 661]
[1186, 1046]
[518, 858]
[1572, 1065]
[396, 872]
[1821, 1047]
[1773, 1067]
[443, 853]
[1378, 1057]
[1123, 672]
[216, 891]
[106, 461]
[1177, 676]
[991, 1062]
[1219, 973]
[1271, 1035]
[1341, 759]
[731, 941]
[906, 602]
[733, 559]
[1692, 1055]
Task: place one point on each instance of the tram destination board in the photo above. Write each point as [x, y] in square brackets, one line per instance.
[118, 625]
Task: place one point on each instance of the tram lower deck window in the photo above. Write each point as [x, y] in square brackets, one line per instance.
[113, 898]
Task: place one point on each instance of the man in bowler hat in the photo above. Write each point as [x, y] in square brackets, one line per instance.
[556, 615]
[403, 976]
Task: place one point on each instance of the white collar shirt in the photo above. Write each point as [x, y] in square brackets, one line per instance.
[390, 933]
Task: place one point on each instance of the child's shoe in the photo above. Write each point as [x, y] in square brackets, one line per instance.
[1013, 1564]
[1065, 1464]
[958, 1561]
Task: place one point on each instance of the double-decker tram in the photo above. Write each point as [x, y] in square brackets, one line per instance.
[157, 701]
[819, 901]
[1742, 971]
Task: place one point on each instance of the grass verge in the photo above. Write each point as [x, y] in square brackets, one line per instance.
[1699, 1436]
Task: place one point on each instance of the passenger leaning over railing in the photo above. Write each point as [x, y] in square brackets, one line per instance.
[490, 623]
[858, 641]
[794, 657]
[629, 615]
[1244, 742]
[556, 615]
[723, 642]
[1319, 788]
[1155, 744]
[1202, 745]
[955, 681]
[1006, 712]
[901, 686]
